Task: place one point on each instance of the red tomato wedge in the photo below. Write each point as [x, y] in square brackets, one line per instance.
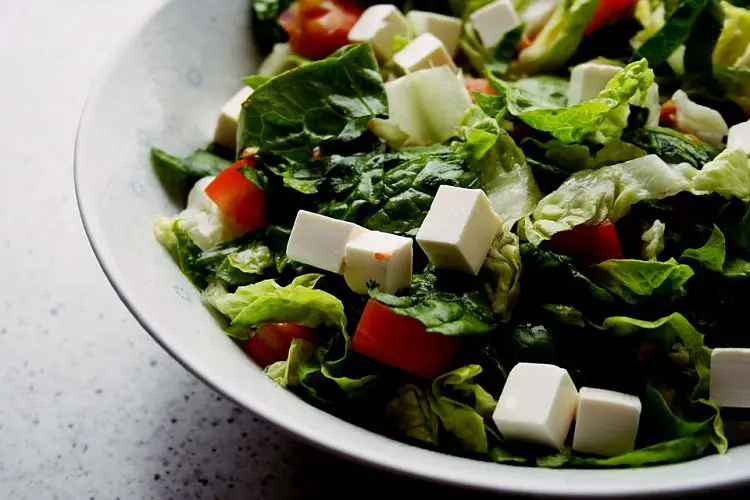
[238, 198]
[668, 115]
[589, 244]
[271, 341]
[318, 28]
[609, 12]
[403, 342]
[480, 85]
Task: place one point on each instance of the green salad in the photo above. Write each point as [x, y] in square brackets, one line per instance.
[514, 230]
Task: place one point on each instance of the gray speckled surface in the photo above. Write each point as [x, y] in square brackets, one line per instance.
[90, 406]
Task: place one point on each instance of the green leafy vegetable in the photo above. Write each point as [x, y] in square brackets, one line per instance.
[196, 165]
[711, 255]
[670, 145]
[410, 414]
[315, 105]
[265, 15]
[442, 305]
[575, 157]
[637, 280]
[286, 373]
[653, 241]
[728, 175]
[674, 33]
[731, 57]
[502, 274]
[176, 240]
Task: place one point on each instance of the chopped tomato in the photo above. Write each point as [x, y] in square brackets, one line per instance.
[480, 85]
[237, 197]
[668, 115]
[609, 12]
[318, 28]
[589, 244]
[271, 341]
[403, 342]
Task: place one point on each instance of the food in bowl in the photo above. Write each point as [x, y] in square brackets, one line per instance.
[418, 218]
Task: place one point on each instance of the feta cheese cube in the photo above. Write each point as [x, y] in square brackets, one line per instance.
[446, 28]
[739, 137]
[459, 229]
[606, 422]
[383, 258]
[426, 51]
[730, 377]
[493, 21]
[588, 79]
[320, 241]
[226, 127]
[537, 405]
[379, 25]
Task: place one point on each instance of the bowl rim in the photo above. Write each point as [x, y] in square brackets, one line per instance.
[97, 240]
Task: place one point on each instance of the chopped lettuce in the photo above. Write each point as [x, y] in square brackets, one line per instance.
[194, 166]
[502, 274]
[731, 57]
[410, 414]
[712, 255]
[636, 280]
[728, 175]
[653, 241]
[287, 373]
[670, 145]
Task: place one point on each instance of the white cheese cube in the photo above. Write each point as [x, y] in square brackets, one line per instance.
[606, 422]
[320, 241]
[427, 105]
[379, 25]
[459, 229]
[446, 28]
[493, 21]
[537, 405]
[383, 258]
[426, 51]
[226, 127]
[730, 377]
[739, 137]
[588, 79]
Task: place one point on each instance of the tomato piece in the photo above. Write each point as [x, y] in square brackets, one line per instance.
[668, 115]
[480, 85]
[318, 28]
[609, 12]
[238, 198]
[403, 342]
[589, 244]
[271, 341]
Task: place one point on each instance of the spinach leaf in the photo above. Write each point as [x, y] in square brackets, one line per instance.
[444, 303]
[315, 105]
[194, 166]
[673, 34]
[266, 29]
[670, 145]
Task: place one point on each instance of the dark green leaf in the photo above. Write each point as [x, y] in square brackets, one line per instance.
[670, 145]
[674, 33]
[196, 165]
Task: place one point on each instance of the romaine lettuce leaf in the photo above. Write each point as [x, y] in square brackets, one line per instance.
[559, 38]
[636, 280]
[602, 119]
[502, 274]
[591, 196]
[409, 413]
[712, 255]
[731, 57]
[673, 33]
[443, 304]
[171, 234]
[670, 145]
[728, 175]
[653, 241]
[287, 373]
[575, 157]
[314, 105]
[461, 404]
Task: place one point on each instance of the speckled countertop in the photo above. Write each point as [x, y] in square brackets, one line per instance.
[90, 406]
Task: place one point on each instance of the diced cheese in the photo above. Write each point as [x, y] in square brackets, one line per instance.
[730, 377]
[493, 21]
[427, 105]
[426, 51]
[383, 258]
[320, 241]
[379, 25]
[226, 127]
[277, 61]
[739, 137]
[446, 28]
[606, 422]
[459, 229]
[588, 79]
[537, 405]
[701, 121]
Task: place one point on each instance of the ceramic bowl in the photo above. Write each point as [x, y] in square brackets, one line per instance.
[164, 89]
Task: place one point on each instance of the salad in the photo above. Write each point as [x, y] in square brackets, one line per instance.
[515, 230]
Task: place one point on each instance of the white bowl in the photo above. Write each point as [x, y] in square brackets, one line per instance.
[164, 89]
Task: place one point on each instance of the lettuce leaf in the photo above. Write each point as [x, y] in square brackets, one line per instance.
[502, 274]
[673, 34]
[731, 57]
[591, 196]
[287, 373]
[314, 105]
[410, 414]
[461, 404]
[636, 280]
[575, 157]
[670, 145]
[603, 118]
[559, 39]
[728, 175]
[711, 255]
[443, 304]
[198, 164]
[653, 241]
